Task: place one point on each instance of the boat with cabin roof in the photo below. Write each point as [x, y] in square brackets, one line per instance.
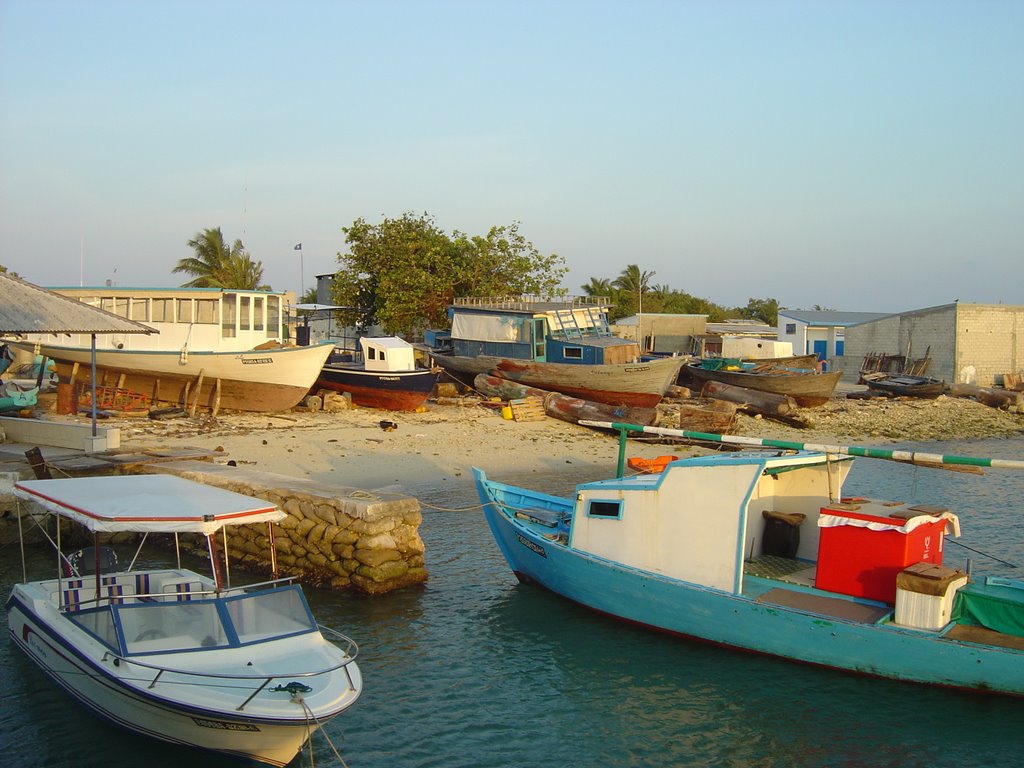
[761, 551]
[561, 344]
[387, 376]
[167, 652]
[215, 348]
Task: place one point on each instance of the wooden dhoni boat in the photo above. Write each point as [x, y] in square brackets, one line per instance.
[904, 385]
[386, 378]
[274, 378]
[759, 550]
[807, 388]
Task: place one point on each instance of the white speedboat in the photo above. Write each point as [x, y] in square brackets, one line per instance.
[170, 653]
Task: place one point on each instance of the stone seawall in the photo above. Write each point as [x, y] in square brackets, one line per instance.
[336, 536]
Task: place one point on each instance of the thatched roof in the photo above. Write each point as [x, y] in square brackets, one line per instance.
[27, 308]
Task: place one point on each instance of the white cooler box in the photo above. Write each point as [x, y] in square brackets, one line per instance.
[924, 595]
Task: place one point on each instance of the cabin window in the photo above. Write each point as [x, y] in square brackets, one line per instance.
[140, 310]
[184, 310]
[163, 310]
[206, 311]
[227, 320]
[257, 313]
[244, 323]
[273, 316]
[612, 509]
[573, 353]
[118, 306]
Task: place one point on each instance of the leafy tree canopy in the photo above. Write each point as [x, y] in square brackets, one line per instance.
[404, 273]
[633, 283]
[215, 265]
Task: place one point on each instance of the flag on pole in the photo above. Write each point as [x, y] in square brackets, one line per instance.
[297, 247]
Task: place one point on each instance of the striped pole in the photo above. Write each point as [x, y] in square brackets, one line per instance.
[908, 457]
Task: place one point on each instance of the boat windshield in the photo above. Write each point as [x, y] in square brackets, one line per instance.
[162, 627]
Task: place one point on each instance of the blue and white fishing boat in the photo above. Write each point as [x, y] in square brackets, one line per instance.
[168, 652]
[761, 551]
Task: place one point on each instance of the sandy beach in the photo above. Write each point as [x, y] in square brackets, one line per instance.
[441, 444]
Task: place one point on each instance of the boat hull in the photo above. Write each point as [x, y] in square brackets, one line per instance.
[905, 386]
[390, 390]
[638, 385]
[120, 694]
[263, 380]
[738, 620]
[808, 389]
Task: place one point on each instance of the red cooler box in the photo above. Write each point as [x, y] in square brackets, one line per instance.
[864, 545]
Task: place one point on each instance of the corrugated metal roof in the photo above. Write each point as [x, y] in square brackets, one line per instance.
[27, 308]
[827, 317]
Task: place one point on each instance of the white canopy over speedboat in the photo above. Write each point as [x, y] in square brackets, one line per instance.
[170, 653]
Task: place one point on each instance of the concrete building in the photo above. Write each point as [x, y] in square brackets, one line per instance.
[967, 343]
[662, 333]
[822, 332]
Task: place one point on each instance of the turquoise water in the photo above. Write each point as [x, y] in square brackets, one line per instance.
[478, 671]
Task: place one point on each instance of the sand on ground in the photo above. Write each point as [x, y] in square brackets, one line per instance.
[442, 444]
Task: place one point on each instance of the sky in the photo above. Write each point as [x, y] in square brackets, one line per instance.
[858, 156]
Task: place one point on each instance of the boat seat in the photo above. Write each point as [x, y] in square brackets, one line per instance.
[180, 590]
[118, 594]
[548, 517]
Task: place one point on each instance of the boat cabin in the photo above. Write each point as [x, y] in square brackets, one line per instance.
[676, 523]
[197, 319]
[387, 354]
[553, 330]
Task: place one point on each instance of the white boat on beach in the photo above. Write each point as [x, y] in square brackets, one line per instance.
[273, 378]
[167, 652]
[215, 348]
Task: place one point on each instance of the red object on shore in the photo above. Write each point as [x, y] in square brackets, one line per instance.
[856, 560]
[649, 466]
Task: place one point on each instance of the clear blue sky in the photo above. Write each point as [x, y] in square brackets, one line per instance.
[855, 155]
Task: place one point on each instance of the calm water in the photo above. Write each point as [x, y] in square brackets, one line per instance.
[475, 670]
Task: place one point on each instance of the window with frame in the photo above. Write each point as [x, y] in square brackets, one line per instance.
[572, 353]
[244, 313]
[790, 328]
[273, 316]
[257, 313]
[162, 310]
[206, 311]
[184, 310]
[611, 509]
[227, 321]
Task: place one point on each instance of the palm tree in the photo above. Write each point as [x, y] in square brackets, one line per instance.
[214, 265]
[598, 286]
[633, 283]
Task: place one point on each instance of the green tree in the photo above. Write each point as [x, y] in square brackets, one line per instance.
[598, 286]
[4, 269]
[765, 310]
[404, 273]
[214, 265]
[632, 283]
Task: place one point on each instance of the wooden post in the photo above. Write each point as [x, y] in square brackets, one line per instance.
[199, 389]
[38, 464]
[216, 400]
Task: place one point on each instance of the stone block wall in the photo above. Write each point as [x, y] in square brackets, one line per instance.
[345, 538]
[990, 342]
